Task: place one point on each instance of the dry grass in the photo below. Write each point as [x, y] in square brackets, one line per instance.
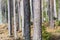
[55, 31]
[4, 33]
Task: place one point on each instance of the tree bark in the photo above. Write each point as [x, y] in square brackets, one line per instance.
[31, 7]
[15, 26]
[19, 16]
[0, 13]
[10, 12]
[50, 13]
[26, 19]
[55, 14]
[59, 11]
[37, 19]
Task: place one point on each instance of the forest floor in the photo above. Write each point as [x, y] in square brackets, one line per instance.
[55, 33]
[4, 33]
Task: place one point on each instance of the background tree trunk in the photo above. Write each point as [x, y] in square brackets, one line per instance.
[59, 11]
[0, 13]
[55, 14]
[50, 13]
[18, 16]
[32, 14]
[10, 12]
[15, 26]
[37, 19]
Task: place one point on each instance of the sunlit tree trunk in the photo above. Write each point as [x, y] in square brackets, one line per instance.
[37, 19]
[15, 26]
[31, 7]
[22, 16]
[55, 14]
[26, 19]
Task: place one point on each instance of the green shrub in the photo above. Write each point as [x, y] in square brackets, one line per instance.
[45, 34]
[58, 23]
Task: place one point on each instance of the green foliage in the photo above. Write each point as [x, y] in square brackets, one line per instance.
[58, 23]
[45, 34]
[44, 14]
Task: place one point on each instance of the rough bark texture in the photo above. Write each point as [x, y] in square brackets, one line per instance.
[27, 19]
[37, 19]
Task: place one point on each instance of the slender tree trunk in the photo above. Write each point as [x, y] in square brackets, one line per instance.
[50, 13]
[59, 15]
[26, 19]
[42, 13]
[37, 19]
[15, 26]
[31, 7]
[22, 14]
[46, 9]
[10, 12]
[59, 11]
[5, 14]
[0, 13]
[55, 14]
[19, 16]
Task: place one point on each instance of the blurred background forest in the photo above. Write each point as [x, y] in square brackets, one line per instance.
[29, 19]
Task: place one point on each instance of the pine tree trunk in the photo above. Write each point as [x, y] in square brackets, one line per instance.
[50, 13]
[37, 19]
[10, 12]
[31, 7]
[0, 13]
[26, 19]
[59, 11]
[22, 14]
[15, 26]
[18, 16]
[55, 14]
[42, 13]
[5, 13]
